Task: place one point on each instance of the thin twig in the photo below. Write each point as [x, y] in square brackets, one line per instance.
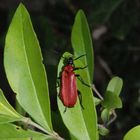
[101, 126]
[113, 119]
[96, 91]
[53, 134]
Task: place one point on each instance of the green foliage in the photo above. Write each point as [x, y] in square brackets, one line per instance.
[75, 115]
[13, 132]
[105, 114]
[103, 131]
[97, 101]
[112, 99]
[7, 112]
[133, 134]
[85, 128]
[115, 85]
[111, 102]
[82, 42]
[27, 78]
[24, 68]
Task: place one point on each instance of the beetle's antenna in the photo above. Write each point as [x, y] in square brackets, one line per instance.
[79, 56]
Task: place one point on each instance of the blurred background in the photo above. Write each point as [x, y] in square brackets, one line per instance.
[115, 30]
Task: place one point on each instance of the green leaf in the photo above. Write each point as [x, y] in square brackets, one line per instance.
[112, 101]
[133, 134]
[12, 132]
[82, 42]
[97, 101]
[105, 114]
[25, 70]
[103, 131]
[7, 112]
[115, 85]
[76, 119]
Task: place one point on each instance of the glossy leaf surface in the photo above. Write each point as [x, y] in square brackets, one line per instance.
[115, 85]
[24, 68]
[82, 42]
[7, 112]
[112, 101]
[133, 134]
[105, 115]
[97, 101]
[13, 132]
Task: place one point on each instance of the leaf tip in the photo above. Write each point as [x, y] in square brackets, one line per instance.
[21, 6]
[80, 12]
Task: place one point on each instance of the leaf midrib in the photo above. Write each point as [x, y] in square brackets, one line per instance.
[28, 66]
[87, 73]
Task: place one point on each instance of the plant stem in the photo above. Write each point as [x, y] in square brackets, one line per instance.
[53, 134]
[113, 119]
[96, 91]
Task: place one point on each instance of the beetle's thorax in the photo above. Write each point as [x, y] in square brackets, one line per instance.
[68, 68]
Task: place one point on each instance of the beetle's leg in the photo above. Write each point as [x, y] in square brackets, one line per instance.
[80, 56]
[58, 82]
[81, 80]
[65, 110]
[78, 68]
[80, 99]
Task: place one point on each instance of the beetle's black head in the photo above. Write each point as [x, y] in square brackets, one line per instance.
[68, 61]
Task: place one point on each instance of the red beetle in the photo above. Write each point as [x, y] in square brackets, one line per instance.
[68, 86]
